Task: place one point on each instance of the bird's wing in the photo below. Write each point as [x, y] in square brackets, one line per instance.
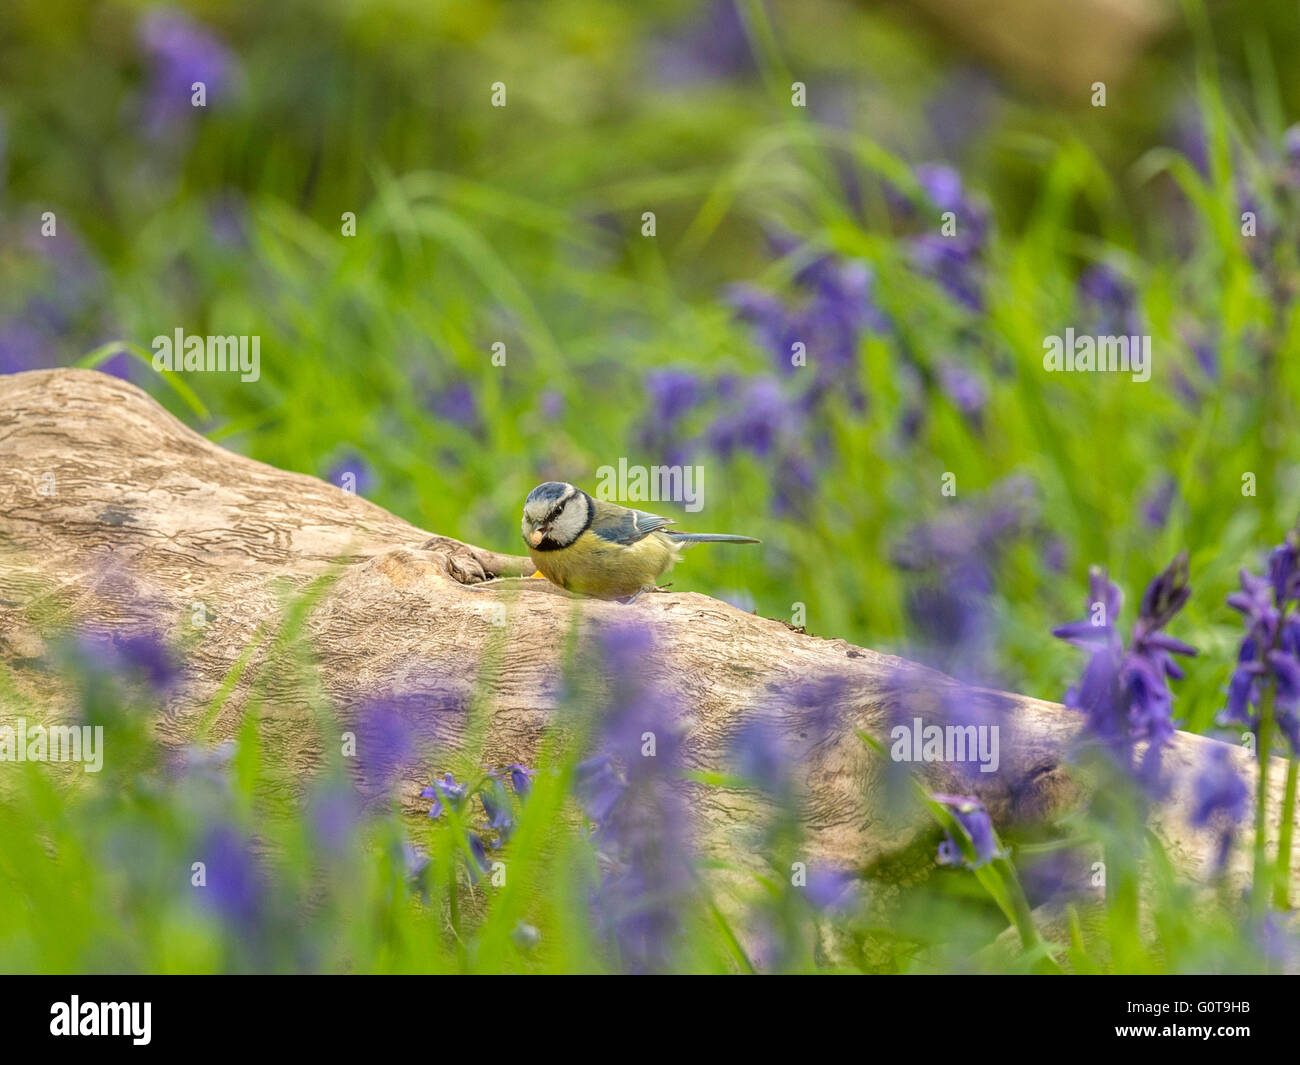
[623, 525]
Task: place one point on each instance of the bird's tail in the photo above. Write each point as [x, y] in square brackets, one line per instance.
[710, 538]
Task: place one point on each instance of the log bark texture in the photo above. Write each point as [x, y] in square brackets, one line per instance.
[113, 513]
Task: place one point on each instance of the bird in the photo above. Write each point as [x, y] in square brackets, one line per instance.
[601, 549]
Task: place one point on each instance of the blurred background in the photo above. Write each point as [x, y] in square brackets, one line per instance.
[524, 225]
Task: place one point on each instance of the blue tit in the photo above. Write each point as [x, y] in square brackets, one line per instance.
[601, 549]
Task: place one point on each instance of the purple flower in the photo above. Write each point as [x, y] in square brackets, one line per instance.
[446, 788]
[455, 403]
[551, 402]
[673, 394]
[1269, 655]
[235, 886]
[1156, 504]
[975, 820]
[521, 779]
[210, 764]
[352, 473]
[830, 309]
[763, 312]
[942, 186]
[967, 392]
[633, 792]
[953, 259]
[714, 47]
[181, 52]
[1291, 152]
[600, 784]
[1125, 695]
[497, 809]
[1220, 797]
[954, 558]
[762, 757]
[1109, 302]
[24, 347]
[1189, 137]
[481, 862]
[756, 423]
[953, 263]
[385, 744]
[334, 813]
[830, 889]
[130, 656]
[415, 869]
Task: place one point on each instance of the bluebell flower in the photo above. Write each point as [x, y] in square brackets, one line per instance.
[942, 185]
[496, 807]
[415, 869]
[456, 403]
[1291, 156]
[953, 558]
[1219, 797]
[762, 756]
[974, 818]
[1157, 502]
[447, 789]
[181, 52]
[1269, 654]
[830, 889]
[551, 402]
[1108, 302]
[1124, 694]
[636, 802]
[481, 862]
[673, 393]
[334, 814]
[952, 262]
[130, 656]
[235, 885]
[24, 347]
[385, 743]
[521, 779]
[209, 764]
[757, 423]
[713, 47]
[352, 472]
[963, 387]
[601, 784]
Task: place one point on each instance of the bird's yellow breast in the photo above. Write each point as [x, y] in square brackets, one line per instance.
[592, 565]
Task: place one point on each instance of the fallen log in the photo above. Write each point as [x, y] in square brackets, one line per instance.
[113, 513]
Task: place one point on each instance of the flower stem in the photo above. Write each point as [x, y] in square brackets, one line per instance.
[1282, 881]
[1260, 883]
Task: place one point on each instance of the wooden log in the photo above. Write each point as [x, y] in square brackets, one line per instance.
[114, 514]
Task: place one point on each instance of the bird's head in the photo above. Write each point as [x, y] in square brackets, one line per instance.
[555, 514]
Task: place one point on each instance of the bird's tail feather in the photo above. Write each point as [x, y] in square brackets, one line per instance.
[711, 538]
